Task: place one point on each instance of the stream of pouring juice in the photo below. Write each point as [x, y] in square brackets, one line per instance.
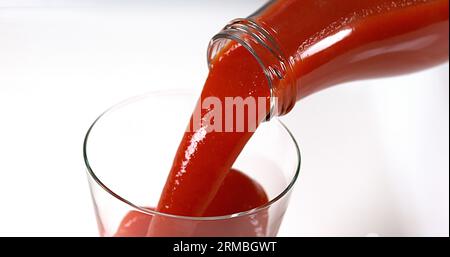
[325, 43]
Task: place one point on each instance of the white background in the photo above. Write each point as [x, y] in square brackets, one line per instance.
[375, 153]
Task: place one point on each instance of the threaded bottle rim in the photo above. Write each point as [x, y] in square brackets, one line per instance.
[267, 52]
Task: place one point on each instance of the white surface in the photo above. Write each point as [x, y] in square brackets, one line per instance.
[375, 153]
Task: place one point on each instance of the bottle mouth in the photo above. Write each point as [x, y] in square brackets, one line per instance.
[267, 52]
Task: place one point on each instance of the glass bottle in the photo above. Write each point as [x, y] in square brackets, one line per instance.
[304, 46]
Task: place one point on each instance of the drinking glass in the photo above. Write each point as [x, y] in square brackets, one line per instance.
[129, 150]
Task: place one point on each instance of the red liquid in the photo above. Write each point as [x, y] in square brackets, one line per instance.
[238, 193]
[326, 42]
[202, 163]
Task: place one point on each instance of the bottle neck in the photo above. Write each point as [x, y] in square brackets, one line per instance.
[265, 49]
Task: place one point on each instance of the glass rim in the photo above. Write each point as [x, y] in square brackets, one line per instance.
[144, 210]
